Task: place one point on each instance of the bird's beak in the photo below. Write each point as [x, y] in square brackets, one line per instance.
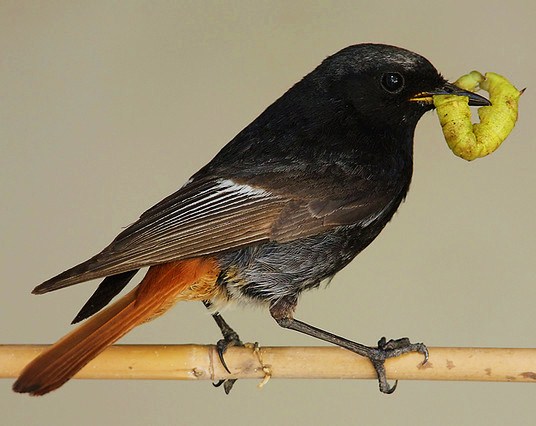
[451, 89]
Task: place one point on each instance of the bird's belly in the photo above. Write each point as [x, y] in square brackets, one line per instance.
[268, 272]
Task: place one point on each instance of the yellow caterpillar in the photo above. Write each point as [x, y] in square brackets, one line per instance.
[468, 140]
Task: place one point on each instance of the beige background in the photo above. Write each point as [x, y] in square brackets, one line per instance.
[106, 109]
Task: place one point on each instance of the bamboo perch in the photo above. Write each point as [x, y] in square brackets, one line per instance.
[200, 362]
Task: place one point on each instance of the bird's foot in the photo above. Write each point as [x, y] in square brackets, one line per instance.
[391, 349]
[230, 338]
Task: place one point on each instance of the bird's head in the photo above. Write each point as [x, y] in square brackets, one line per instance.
[386, 86]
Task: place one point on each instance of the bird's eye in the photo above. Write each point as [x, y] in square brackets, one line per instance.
[393, 82]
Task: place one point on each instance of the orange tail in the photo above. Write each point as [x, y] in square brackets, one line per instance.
[162, 286]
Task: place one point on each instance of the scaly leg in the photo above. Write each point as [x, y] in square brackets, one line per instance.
[283, 312]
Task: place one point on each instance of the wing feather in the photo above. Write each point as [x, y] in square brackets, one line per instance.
[210, 216]
[215, 216]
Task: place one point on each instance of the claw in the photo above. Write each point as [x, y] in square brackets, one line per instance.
[221, 347]
[227, 384]
[425, 353]
[391, 389]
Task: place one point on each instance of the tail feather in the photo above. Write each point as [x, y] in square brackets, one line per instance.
[192, 279]
[109, 288]
[65, 358]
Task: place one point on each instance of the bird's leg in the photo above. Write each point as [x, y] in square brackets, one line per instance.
[283, 312]
[230, 338]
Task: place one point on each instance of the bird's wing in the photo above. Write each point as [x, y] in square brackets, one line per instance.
[214, 215]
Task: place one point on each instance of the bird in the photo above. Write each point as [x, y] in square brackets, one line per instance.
[284, 206]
